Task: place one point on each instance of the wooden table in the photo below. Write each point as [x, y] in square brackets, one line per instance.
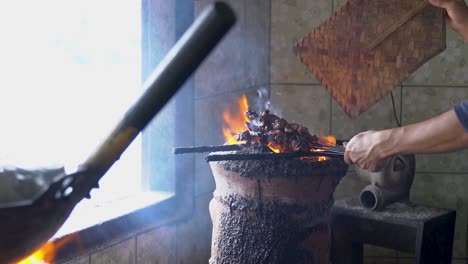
[425, 231]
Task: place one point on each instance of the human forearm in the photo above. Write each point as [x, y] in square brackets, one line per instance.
[443, 133]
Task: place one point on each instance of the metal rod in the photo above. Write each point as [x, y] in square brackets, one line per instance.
[201, 149]
[269, 156]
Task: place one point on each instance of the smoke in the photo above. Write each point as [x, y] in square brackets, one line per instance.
[264, 103]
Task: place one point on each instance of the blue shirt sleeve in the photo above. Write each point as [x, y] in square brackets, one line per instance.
[461, 110]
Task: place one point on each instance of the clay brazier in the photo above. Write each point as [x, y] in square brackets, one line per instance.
[273, 211]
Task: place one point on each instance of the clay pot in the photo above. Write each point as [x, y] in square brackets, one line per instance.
[273, 211]
[392, 184]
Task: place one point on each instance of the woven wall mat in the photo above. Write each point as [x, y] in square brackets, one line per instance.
[340, 55]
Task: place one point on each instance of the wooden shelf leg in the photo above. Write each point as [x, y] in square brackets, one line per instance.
[346, 252]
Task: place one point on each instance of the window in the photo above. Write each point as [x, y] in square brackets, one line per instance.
[67, 77]
[70, 70]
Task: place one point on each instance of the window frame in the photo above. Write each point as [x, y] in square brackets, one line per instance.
[180, 204]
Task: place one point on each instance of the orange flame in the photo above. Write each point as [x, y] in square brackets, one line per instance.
[46, 253]
[234, 123]
[327, 140]
[273, 148]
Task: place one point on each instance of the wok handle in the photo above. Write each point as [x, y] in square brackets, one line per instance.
[412, 13]
[178, 65]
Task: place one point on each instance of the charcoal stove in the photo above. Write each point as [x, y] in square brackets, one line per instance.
[271, 208]
[274, 191]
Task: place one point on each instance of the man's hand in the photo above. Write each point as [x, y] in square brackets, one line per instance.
[368, 150]
[457, 12]
[444, 133]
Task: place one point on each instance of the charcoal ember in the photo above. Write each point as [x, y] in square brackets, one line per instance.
[252, 127]
[303, 130]
[267, 120]
[269, 130]
[299, 144]
[278, 140]
[292, 128]
[251, 114]
[305, 135]
[264, 140]
[249, 137]
[280, 124]
[256, 139]
[288, 129]
[243, 136]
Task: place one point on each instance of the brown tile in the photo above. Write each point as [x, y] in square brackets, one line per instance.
[257, 42]
[378, 117]
[423, 103]
[158, 246]
[194, 234]
[122, 253]
[223, 70]
[445, 191]
[208, 131]
[290, 21]
[308, 105]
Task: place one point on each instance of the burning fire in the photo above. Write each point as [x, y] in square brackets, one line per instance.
[275, 150]
[46, 253]
[327, 140]
[234, 123]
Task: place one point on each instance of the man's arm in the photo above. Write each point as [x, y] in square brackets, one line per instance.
[443, 133]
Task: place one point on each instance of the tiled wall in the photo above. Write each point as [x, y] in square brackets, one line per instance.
[440, 179]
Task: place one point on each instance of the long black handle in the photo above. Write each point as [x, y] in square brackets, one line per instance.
[179, 64]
